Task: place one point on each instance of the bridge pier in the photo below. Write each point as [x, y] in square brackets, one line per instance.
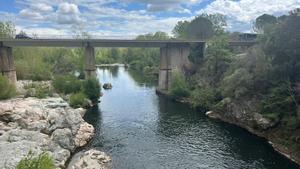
[7, 65]
[173, 57]
[90, 62]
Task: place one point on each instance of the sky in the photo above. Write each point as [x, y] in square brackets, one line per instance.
[128, 18]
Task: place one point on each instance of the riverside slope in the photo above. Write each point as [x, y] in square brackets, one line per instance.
[37, 125]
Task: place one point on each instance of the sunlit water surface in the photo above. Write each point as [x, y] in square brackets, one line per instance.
[142, 130]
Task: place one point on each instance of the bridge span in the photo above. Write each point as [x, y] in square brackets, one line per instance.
[173, 53]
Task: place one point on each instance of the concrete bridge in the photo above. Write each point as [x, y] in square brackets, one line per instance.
[173, 53]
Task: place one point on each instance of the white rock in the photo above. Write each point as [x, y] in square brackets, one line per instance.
[91, 159]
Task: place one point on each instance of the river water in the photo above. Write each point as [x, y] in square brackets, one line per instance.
[142, 130]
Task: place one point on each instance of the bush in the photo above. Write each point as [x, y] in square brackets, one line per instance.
[78, 100]
[179, 87]
[66, 84]
[43, 92]
[281, 101]
[42, 161]
[92, 89]
[203, 98]
[7, 90]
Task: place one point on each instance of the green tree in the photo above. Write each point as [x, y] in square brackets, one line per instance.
[263, 22]
[218, 58]
[180, 29]
[200, 28]
[282, 46]
[218, 20]
[7, 30]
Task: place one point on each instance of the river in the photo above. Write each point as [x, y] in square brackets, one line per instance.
[142, 130]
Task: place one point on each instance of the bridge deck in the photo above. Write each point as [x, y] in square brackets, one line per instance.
[91, 42]
[103, 43]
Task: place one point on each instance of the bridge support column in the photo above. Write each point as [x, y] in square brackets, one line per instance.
[173, 57]
[7, 65]
[90, 68]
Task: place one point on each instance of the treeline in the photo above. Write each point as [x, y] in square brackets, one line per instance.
[267, 74]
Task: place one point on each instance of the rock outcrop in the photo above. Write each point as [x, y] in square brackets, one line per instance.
[40, 125]
[91, 159]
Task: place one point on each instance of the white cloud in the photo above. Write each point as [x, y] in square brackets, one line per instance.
[42, 7]
[246, 11]
[68, 13]
[31, 14]
[68, 8]
[165, 5]
[99, 17]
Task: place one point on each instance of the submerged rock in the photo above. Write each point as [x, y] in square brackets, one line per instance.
[107, 86]
[91, 159]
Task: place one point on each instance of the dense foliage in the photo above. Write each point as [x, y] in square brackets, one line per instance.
[267, 72]
[80, 90]
[42, 161]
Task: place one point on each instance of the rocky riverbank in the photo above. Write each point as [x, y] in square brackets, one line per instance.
[41, 125]
[245, 115]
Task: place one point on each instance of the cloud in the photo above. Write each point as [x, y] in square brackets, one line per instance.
[165, 5]
[31, 14]
[68, 8]
[242, 13]
[68, 13]
[42, 7]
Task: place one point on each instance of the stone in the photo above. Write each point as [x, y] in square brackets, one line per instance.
[84, 134]
[63, 137]
[12, 153]
[212, 115]
[40, 125]
[262, 122]
[107, 86]
[91, 159]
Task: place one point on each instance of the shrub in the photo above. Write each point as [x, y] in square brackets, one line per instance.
[42, 161]
[7, 90]
[281, 101]
[66, 84]
[91, 88]
[203, 98]
[78, 100]
[179, 87]
[43, 92]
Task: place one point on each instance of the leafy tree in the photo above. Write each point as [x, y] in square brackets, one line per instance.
[218, 58]
[282, 45]
[200, 28]
[180, 29]
[263, 22]
[7, 30]
[218, 20]
[179, 88]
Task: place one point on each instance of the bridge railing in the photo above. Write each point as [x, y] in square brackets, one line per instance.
[52, 36]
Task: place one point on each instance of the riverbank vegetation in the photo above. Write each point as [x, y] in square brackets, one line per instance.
[78, 92]
[263, 79]
[42, 161]
[7, 90]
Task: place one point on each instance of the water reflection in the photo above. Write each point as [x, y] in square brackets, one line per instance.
[141, 130]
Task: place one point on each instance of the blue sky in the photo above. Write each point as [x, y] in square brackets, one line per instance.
[127, 18]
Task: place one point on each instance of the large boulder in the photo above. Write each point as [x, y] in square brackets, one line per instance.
[40, 125]
[91, 159]
[84, 134]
